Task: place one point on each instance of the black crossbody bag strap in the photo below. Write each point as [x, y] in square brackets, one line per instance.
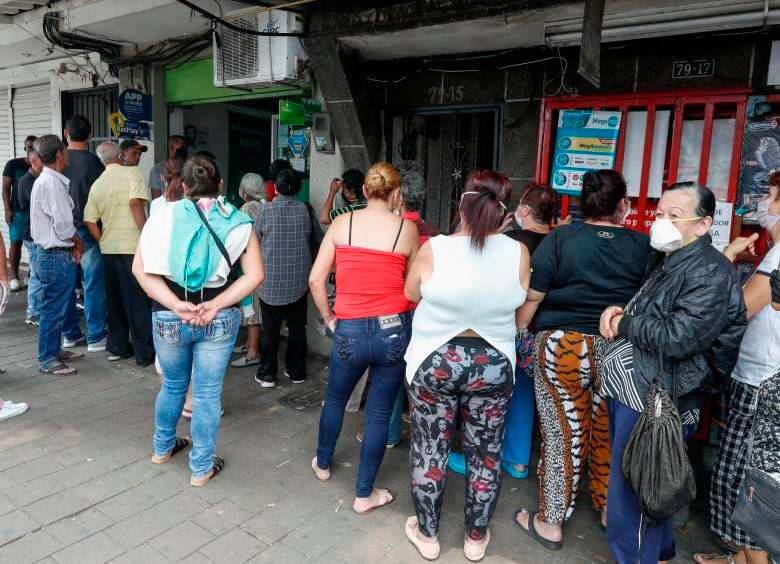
[232, 275]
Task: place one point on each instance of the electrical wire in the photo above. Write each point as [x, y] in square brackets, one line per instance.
[238, 29]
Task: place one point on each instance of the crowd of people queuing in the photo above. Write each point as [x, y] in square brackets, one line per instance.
[508, 319]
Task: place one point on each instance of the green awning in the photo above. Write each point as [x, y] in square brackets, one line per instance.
[193, 83]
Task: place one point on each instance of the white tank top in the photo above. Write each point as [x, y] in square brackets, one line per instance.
[468, 290]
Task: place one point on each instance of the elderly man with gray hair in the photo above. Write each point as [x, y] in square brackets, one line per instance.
[252, 191]
[115, 215]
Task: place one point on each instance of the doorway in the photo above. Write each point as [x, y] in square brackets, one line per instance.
[445, 145]
[95, 104]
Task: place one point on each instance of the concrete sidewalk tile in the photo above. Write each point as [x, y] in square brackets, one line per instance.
[73, 529]
[6, 505]
[183, 539]
[151, 522]
[103, 487]
[34, 469]
[196, 558]
[315, 537]
[15, 525]
[234, 546]
[29, 548]
[96, 549]
[279, 553]
[27, 493]
[272, 524]
[56, 507]
[143, 554]
[15, 455]
[142, 497]
[222, 517]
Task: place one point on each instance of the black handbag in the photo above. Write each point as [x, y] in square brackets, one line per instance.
[757, 511]
[655, 461]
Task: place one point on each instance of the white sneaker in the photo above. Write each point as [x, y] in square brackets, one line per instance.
[14, 285]
[11, 409]
[68, 344]
[99, 346]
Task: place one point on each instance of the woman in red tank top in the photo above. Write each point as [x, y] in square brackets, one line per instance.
[371, 250]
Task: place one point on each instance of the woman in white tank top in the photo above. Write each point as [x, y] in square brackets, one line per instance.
[461, 359]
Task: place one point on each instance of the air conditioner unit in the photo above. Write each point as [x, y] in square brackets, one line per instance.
[242, 59]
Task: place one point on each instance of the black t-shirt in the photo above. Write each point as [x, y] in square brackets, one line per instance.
[82, 171]
[15, 169]
[530, 239]
[24, 194]
[583, 269]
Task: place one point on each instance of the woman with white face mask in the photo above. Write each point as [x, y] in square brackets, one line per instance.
[687, 320]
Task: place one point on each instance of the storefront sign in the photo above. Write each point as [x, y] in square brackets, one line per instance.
[760, 156]
[586, 140]
[135, 105]
[298, 142]
[122, 128]
[721, 225]
[298, 112]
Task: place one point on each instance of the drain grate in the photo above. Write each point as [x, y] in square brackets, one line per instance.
[305, 399]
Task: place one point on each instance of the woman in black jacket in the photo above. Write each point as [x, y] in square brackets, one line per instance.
[684, 325]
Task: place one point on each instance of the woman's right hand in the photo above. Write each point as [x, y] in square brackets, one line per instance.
[605, 325]
[185, 310]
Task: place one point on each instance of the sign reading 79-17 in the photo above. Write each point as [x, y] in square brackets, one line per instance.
[586, 140]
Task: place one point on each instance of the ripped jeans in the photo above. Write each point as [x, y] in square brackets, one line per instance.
[378, 343]
[203, 353]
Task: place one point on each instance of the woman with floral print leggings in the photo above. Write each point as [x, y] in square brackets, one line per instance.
[465, 379]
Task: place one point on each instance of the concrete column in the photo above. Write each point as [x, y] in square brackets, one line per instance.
[355, 123]
[159, 115]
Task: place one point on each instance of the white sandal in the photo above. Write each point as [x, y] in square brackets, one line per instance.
[428, 550]
[475, 550]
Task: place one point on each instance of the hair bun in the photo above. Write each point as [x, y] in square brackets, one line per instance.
[375, 180]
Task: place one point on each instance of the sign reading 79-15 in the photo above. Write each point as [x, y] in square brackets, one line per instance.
[586, 140]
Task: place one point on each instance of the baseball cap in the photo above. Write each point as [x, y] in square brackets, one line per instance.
[130, 143]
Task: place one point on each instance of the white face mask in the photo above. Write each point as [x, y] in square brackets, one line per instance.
[664, 236]
[765, 219]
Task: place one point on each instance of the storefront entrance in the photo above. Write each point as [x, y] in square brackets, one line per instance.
[445, 145]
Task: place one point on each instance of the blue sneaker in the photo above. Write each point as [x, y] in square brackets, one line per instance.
[510, 469]
[457, 463]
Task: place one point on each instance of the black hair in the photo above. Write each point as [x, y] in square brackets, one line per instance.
[353, 181]
[201, 176]
[278, 166]
[47, 147]
[79, 128]
[288, 182]
[208, 154]
[30, 139]
[602, 192]
[541, 200]
[706, 199]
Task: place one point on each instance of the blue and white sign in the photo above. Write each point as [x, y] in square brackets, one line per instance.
[135, 105]
[586, 140]
[132, 129]
[298, 142]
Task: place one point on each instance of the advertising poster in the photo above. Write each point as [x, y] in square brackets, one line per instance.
[586, 140]
[760, 157]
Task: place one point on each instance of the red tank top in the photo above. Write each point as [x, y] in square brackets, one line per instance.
[369, 282]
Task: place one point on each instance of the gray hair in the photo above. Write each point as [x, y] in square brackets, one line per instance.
[108, 152]
[252, 185]
[47, 147]
[413, 190]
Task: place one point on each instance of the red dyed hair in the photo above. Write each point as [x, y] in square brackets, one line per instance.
[484, 211]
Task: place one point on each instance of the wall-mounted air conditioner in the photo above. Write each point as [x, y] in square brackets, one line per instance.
[242, 59]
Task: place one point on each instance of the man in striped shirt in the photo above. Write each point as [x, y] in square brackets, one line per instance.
[351, 187]
[58, 251]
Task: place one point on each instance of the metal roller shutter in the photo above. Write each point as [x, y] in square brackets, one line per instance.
[32, 113]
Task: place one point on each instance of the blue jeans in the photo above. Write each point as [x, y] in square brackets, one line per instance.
[624, 518]
[202, 353]
[520, 420]
[394, 431]
[94, 285]
[34, 286]
[56, 271]
[359, 344]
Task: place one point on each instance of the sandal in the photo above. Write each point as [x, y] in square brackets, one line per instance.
[59, 370]
[510, 469]
[218, 465]
[428, 550]
[65, 356]
[383, 501]
[531, 531]
[180, 444]
[703, 557]
[316, 469]
[475, 550]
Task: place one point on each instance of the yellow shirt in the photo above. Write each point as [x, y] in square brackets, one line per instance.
[109, 203]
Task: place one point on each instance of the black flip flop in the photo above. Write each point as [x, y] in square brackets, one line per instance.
[217, 465]
[531, 532]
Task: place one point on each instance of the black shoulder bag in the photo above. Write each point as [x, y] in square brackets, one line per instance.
[655, 461]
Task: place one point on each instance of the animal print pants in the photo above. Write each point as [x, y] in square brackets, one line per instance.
[573, 419]
[469, 380]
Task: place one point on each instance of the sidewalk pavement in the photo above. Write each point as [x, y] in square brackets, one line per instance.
[76, 484]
